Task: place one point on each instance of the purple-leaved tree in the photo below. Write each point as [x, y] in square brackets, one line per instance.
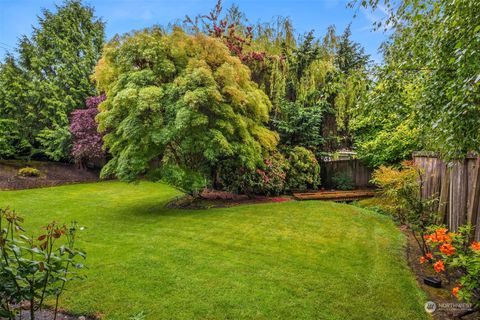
[87, 141]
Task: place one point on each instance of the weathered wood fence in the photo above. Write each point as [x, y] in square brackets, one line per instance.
[455, 184]
[354, 169]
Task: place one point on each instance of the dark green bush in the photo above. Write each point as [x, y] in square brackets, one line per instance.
[267, 179]
[343, 181]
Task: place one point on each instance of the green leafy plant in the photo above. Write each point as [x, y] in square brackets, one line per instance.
[267, 179]
[400, 190]
[29, 172]
[303, 170]
[343, 181]
[35, 268]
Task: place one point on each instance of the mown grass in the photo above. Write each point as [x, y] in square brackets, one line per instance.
[294, 260]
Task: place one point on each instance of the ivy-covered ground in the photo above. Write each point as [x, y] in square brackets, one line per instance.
[292, 260]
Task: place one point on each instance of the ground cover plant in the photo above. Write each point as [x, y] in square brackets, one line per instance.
[291, 260]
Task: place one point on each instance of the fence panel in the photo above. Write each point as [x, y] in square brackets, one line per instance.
[452, 183]
[358, 172]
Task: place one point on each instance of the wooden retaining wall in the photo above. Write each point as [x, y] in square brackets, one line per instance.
[454, 184]
[358, 172]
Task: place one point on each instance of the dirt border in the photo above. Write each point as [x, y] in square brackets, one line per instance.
[51, 174]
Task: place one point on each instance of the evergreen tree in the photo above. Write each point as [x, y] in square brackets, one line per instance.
[52, 75]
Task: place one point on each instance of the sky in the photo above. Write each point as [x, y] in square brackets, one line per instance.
[18, 16]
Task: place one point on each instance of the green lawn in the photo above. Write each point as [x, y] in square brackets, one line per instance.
[294, 260]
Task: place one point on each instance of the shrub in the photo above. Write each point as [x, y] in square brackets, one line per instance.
[87, 141]
[34, 268]
[303, 170]
[343, 181]
[266, 179]
[400, 190]
[455, 254]
[29, 172]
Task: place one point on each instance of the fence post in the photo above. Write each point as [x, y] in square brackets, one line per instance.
[472, 215]
[444, 194]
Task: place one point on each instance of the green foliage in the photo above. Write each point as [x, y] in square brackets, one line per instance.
[386, 139]
[51, 77]
[12, 144]
[28, 172]
[17, 114]
[433, 51]
[303, 170]
[400, 191]
[32, 269]
[181, 100]
[300, 126]
[300, 104]
[343, 181]
[56, 142]
[268, 178]
[187, 181]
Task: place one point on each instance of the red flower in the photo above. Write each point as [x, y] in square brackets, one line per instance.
[423, 260]
[429, 256]
[439, 266]
[447, 249]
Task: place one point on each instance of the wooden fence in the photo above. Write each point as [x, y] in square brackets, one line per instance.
[455, 185]
[354, 169]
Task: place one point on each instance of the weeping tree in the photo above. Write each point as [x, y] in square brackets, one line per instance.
[177, 105]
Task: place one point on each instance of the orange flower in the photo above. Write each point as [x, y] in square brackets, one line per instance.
[429, 256]
[447, 249]
[475, 246]
[439, 266]
[439, 235]
[455, 291]
[422, 260]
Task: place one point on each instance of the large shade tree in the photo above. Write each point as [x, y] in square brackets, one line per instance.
[177, 105]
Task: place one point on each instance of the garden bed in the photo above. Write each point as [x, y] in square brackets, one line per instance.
[49, 315]
[220, 199]
[438, 295]
[51, 174]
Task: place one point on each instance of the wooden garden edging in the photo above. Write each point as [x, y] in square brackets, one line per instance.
[338, 195]
[457, 184]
